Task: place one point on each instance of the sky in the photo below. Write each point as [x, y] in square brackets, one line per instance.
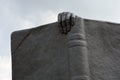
[24, 14]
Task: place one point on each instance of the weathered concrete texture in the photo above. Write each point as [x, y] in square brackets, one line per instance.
[90, 51]
[103, 40]
[39, 54]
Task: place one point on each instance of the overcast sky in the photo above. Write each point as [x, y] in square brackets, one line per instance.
[22, 14]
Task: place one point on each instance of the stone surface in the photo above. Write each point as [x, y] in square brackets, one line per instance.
[39, 54]
[90, 51]
[103, 40]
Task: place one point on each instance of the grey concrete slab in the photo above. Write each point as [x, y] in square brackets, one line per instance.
[42, 54]
[90, 51]
[103, 40]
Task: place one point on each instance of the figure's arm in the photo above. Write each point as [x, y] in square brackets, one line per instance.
[66, 20]
[77, 45]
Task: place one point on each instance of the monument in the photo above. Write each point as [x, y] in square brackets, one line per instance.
[71, 49]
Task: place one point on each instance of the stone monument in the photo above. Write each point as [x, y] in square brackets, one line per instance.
[71, 49]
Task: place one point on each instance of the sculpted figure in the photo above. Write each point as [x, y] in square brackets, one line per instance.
[66, 20]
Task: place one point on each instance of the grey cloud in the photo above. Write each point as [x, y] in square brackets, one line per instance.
[94, 9]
